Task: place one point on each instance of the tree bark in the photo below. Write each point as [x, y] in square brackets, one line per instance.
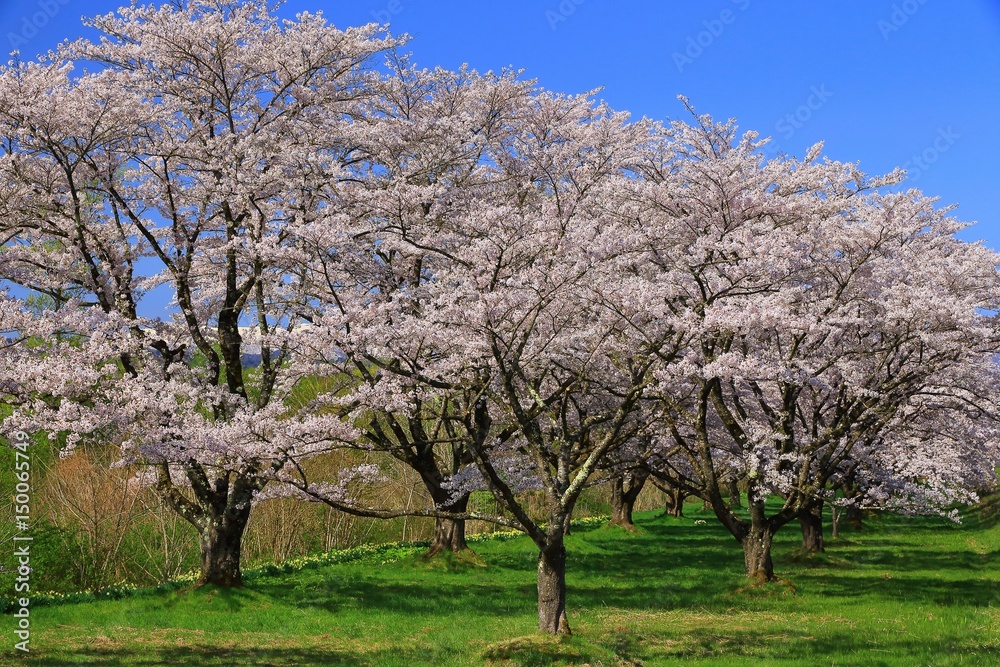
[675, 503]
[734, 494]
[623, 497]
[757, 553]
[220, 512]
[852, 513]
[552, 589]
[855, 516]
[621, 509]
[811, 521]
[449, 534]
[755, 537]
[567, 519]
[221, 544]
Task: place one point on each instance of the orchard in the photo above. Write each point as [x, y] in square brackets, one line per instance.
[510, 292]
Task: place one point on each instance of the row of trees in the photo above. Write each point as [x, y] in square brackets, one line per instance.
[501, 287]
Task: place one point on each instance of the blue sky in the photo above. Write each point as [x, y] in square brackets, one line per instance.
[886, 83]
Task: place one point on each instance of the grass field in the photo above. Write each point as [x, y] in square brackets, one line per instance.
[901, 591]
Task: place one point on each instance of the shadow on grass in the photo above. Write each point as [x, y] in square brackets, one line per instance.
[770, 644]
[946, 592]
[662, 568]
[544, 650]
[737, 642]
[217, 599]
[203, 655]
[672, 565]
[336, 595]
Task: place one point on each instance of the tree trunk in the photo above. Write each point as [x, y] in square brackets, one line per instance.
[567, 521]
[552, 589]
[855, 516]
[449, 534]
[734, 494]
[852, 513]
[220, 512]
[811, 521]
[621, 508]
[675, 503]
[757, 553]
[221, 544]
[623, 500]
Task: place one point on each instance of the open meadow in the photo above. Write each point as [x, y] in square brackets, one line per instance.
[900, 591]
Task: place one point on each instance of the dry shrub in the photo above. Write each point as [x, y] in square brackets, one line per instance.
[94, 506]
[650, 498]
[280, 529]
[112, 531]
[166, 546]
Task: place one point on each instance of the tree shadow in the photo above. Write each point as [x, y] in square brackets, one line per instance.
[209, 655]
[801, 646]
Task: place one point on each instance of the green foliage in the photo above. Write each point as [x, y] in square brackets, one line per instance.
[987, 514]
[51, 569]
[903, 591]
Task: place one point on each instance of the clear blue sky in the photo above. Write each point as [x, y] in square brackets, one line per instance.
[881, 81]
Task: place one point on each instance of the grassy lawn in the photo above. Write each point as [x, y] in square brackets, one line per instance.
[902, 591]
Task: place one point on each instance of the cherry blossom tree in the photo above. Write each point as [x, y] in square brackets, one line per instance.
[820, 310]
[626, 471]
[502, 301]
[430, 134]
[504, 288]
[180, 160]
[625, 490]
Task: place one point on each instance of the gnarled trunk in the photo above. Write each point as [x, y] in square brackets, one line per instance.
[811, 521]
[757, 553]
[552, 588]
[623, 497]
[221, 543]
[220, 512]
[449, 534]
[674, 505]
[621, 508]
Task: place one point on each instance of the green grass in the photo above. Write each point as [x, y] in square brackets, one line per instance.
[902, 591]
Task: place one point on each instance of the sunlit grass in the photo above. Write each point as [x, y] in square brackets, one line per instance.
[902, 591]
